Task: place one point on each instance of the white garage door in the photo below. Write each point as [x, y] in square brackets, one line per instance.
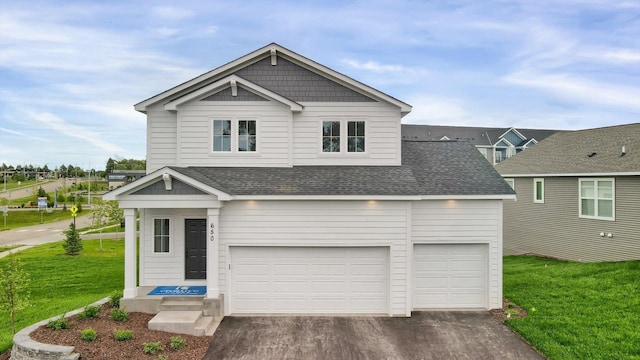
[309, 280]
[449, 276]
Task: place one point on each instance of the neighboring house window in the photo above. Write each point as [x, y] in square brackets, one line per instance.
[597, 198]
[340, 136]
[161, 235]
[484, 153]
[247, 135]
[355, 136]
[331, 136]
[511, 183]
[221, 135]
[234, 136]
[538, 190]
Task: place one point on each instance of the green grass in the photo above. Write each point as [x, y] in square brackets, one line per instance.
[22, 218]
[7, 248]
[14, 184]
[61, 283]
[576, 310]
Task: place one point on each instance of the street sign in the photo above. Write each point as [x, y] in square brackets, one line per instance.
[42, 202]
[4, 209]
[74, 210]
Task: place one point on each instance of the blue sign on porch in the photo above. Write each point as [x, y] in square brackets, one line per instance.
[178, 290]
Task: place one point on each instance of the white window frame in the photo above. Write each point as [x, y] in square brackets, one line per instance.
[595, 198]
[511, 182]
[535, 190]
[153, 236]
[234, 135]
[344, 134]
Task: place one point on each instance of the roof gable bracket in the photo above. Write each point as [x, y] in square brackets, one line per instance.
[274, 57]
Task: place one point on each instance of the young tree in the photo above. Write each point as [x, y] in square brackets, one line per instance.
[100, 215]
[73, 243]
[14, 285]
[115, 213]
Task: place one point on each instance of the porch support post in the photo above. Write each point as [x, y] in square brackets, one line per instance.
[130, 256]
[213, 242]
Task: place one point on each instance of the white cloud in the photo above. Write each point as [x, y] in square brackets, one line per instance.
[434, 110]
[373, 66]
[18, 133]
[172, 13]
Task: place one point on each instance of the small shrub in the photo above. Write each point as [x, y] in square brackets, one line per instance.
[58, 324]
[177, 343]
[88, 334]
[114, 298]
[90, 311]
[123, 335]
[119, 315]
[152, 347]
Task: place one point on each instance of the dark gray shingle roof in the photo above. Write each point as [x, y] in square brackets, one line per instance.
[567, 153]
[474, 135]
[428, 168]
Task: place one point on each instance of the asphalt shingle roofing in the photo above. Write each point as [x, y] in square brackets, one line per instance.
[428, 168]
[474, 135]
[568, 153]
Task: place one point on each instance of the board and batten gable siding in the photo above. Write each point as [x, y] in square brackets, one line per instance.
[555, 229]
[321, 223]
[165, 268]
[273, 133]
[463, 222]
[161, 138]
[382, 133]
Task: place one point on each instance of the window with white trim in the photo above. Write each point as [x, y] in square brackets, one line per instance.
[597, 198]
[234, 136]
[161, 235]
[511, 182]
[538, 190]
[341, 135]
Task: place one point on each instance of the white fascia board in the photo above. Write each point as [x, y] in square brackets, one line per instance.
[169, 202]
[501, 140]
[265, 52]
[515, 132]
[124, 191]
[534, 141]
[223, 83]
[327, 197]
[631, 173]
[469, 197]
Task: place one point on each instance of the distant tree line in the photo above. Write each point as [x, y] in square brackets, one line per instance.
[22, 172]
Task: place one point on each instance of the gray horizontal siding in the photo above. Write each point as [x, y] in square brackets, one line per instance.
[554, 228]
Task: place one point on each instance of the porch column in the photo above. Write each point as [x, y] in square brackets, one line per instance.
[130, 256]
[213, 241]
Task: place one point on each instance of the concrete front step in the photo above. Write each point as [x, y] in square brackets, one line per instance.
[207, 325]
[180, 322]
[181, 305]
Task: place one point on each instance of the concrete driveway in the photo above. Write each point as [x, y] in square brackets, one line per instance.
[426, 335]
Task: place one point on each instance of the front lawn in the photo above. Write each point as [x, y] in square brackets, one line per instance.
[21, 218]
[576, 310]
[61, 283]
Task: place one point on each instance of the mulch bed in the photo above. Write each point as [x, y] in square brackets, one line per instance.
[106, 347]
[509, 311]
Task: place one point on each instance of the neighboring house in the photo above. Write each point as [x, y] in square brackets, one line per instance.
[578, 196]
[120, 177]
[495, 144]
[284, 187]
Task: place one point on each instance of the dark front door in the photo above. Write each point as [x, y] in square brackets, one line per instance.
[195, 239]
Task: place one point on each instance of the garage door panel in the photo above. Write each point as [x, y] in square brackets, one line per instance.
[309, 280]
[450, 276]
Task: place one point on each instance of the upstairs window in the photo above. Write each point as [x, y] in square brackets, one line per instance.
[234, 136]
[331, 136]
[597, 198]
[538, 190]
[161, 235]
[221, 135]
[341, 135]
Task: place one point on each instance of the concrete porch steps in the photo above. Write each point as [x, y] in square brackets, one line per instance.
[184, 315]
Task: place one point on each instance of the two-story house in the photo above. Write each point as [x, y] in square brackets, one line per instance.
[284, 186]
[495, 144]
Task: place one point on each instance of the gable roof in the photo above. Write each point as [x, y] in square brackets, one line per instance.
[567, 154]
[486, 136]
[270, 51]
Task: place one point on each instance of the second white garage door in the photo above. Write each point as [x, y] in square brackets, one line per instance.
[450, 276]
[309, 280]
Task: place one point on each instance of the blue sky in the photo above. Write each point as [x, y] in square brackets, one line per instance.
[70, 71]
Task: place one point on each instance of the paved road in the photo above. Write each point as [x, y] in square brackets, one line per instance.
[31, 190]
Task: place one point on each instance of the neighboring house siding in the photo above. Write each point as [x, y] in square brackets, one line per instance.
[321, 223]
[554, 229]
[161, 138]
[382, 134]
[514, 139]
[194, 137]
[463, 222]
